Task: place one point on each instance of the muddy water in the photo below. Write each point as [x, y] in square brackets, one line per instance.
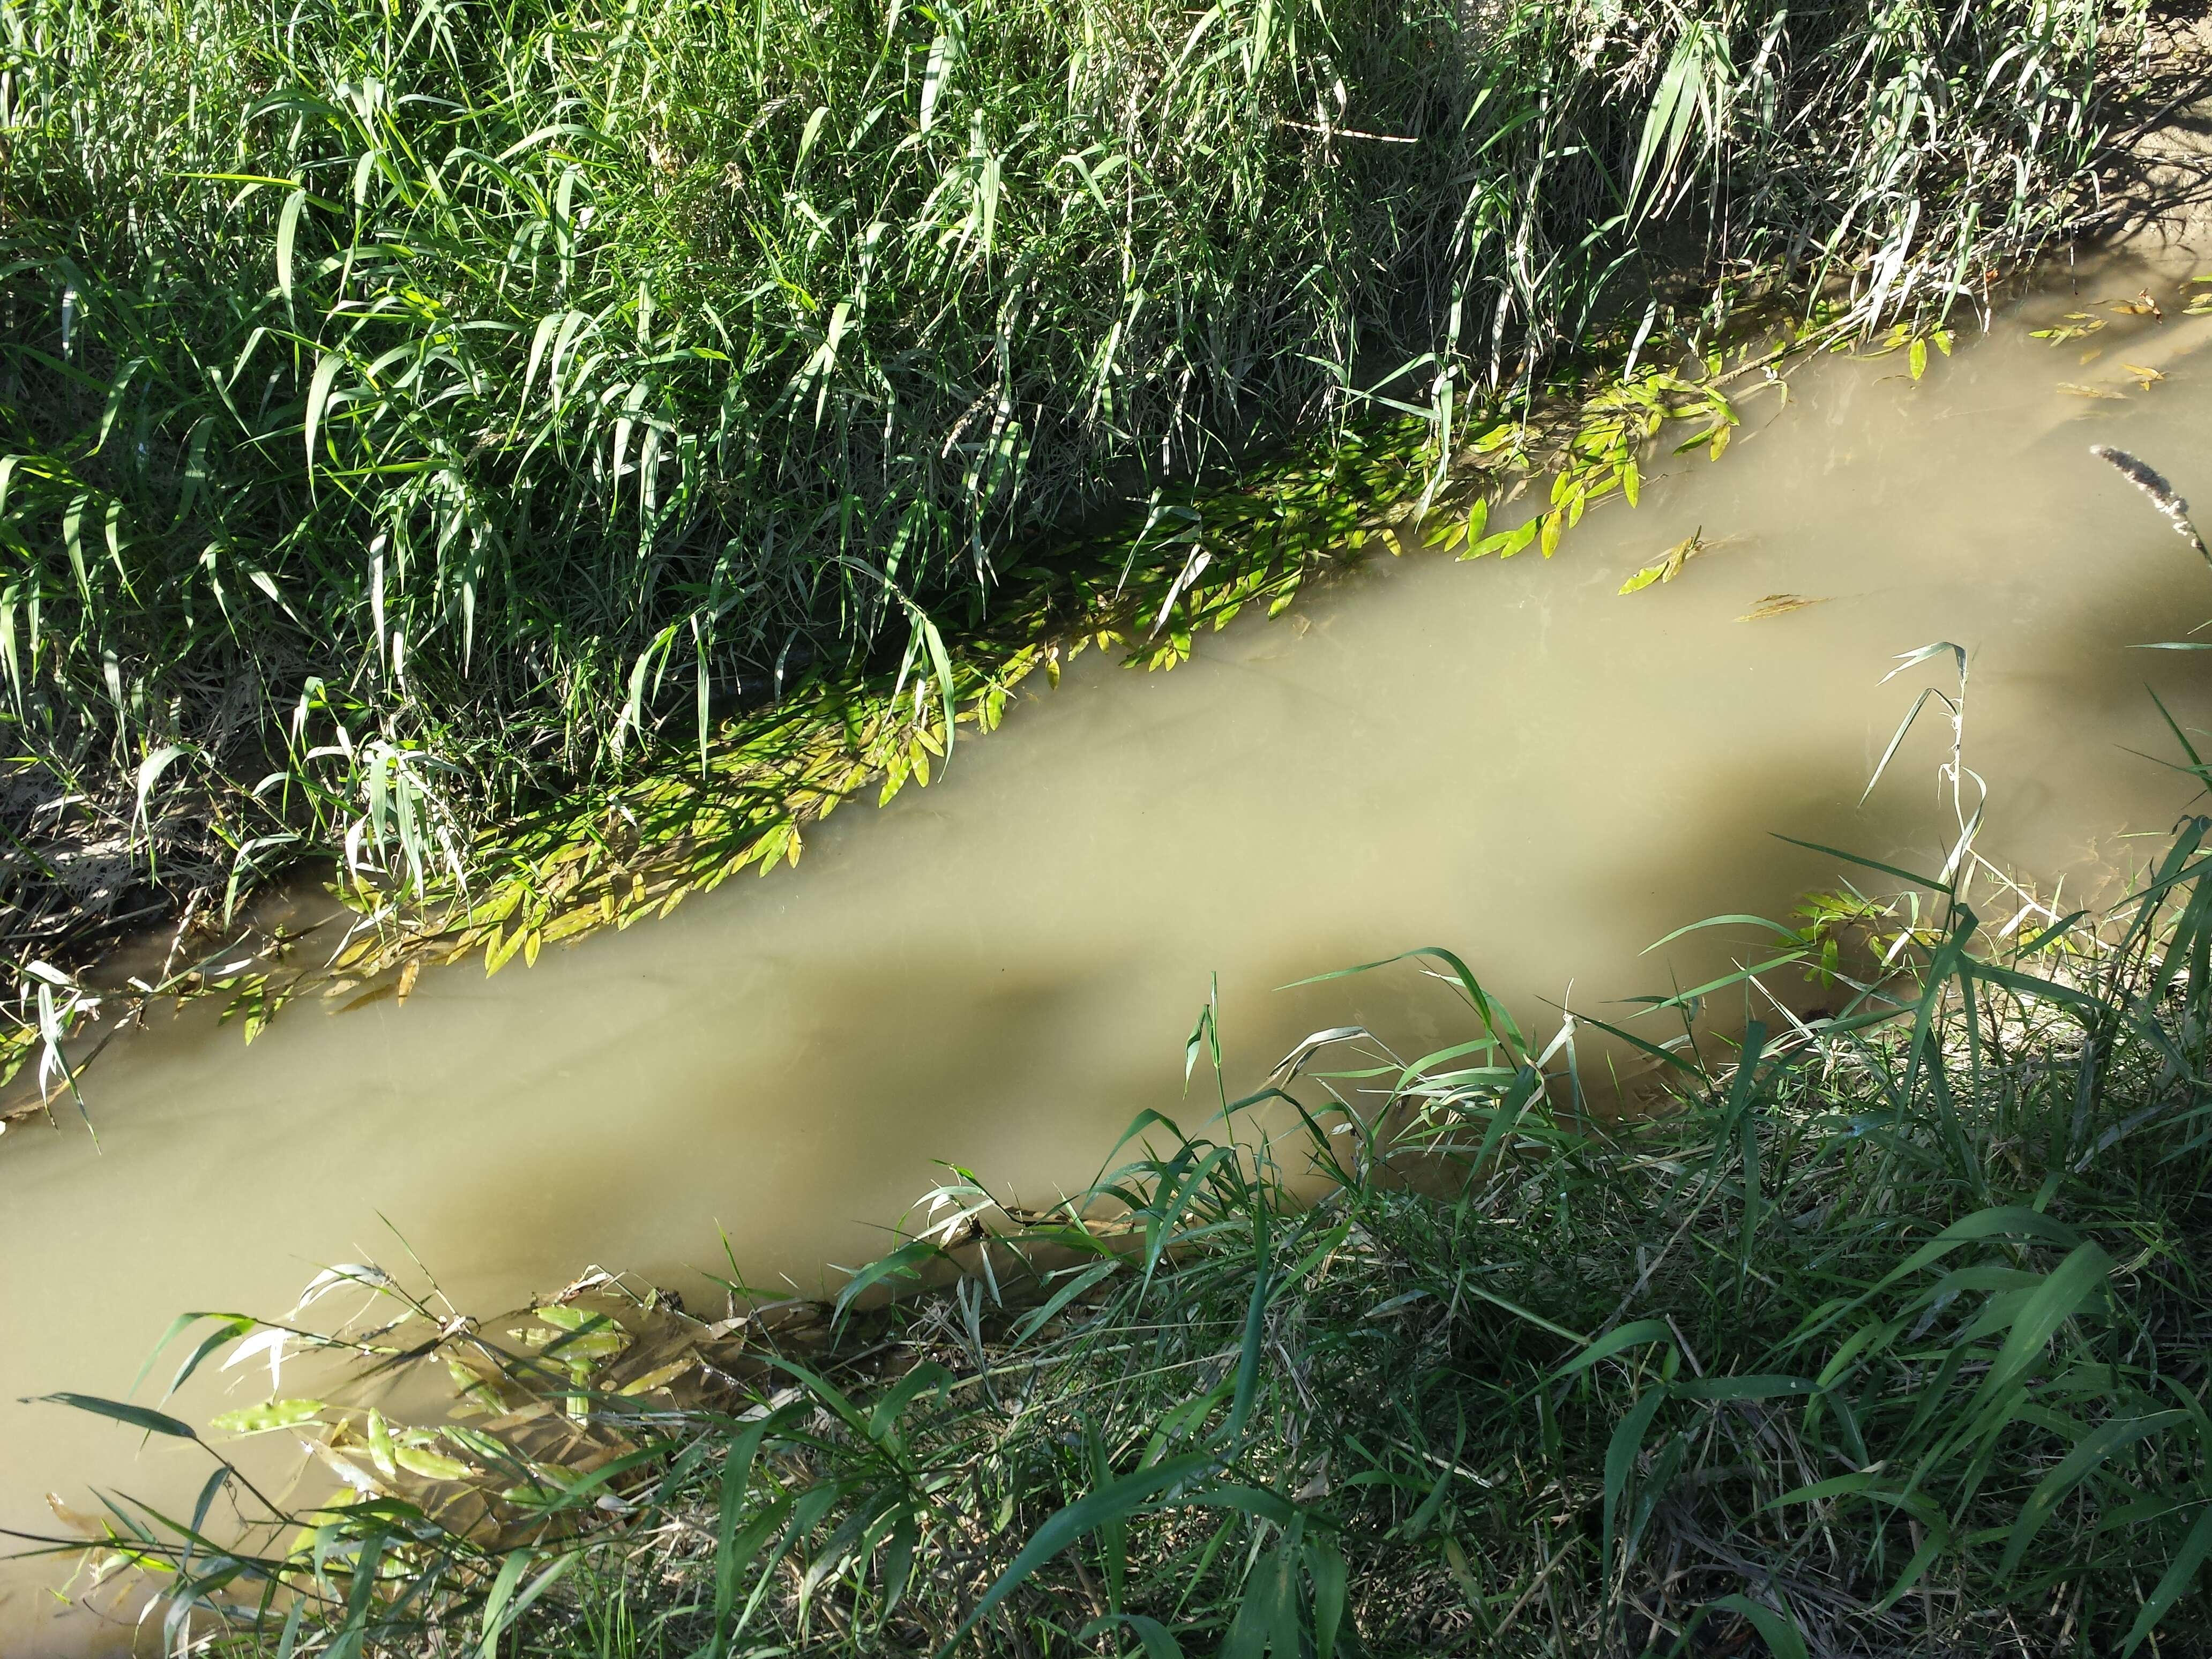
[1510, 759]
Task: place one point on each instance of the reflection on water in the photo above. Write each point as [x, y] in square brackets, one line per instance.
[1508, 759]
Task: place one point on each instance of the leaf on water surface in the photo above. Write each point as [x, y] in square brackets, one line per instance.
[75, 1520]
[431, 1466]
[2073, 388]
[269, 1414]
[2145, 378]
[1779, 604]
[2076, 325]
[660, 1377]
[1670, 563]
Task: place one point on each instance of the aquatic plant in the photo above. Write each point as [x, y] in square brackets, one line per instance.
[414, 418]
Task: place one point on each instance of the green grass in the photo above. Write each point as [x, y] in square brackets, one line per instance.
[415, 417]
[1884, 1333]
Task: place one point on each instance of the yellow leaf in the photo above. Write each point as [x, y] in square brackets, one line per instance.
[1670, 563]
[431, 1466]
[1447, 535]
[660, 1377]
[1777, 604]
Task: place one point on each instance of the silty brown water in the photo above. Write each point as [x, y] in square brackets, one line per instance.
[1510, 759]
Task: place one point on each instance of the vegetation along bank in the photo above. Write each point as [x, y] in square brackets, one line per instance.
[536, 457]
[1884, 1333]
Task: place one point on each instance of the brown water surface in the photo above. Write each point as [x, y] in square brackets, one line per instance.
[1506, 758]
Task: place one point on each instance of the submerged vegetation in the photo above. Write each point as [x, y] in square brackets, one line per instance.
[441, 437]
[1880, 1330]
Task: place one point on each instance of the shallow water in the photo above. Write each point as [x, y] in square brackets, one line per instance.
[1508, 759]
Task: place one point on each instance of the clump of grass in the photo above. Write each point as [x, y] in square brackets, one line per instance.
[1880, 1332]
[408, 417]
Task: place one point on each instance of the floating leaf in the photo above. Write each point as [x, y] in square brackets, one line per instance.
[2073, 390]
[2077, 324]
[1778, 605]
[431, 1466]
[269, 1414]
[2145, 378]
[1670, 563]
[660, 1377]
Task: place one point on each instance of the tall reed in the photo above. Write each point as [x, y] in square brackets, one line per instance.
[416, 405]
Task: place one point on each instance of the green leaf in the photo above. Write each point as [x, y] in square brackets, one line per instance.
[1159, 1642]
[1745, 1387]
[2073, 1283]
[318, 397]
[1506, 543]
[270, 1414]
[1255, 1314]
[287, 227]
[431, 1466]
[138, 1416]
[1620, 1458]
[1325, 1566]
[1123, 1497]
[500, 1611]
[2077, 1466]
[1625, 1336]
[1267, 1613]
[2177, 1580]
[1780, 1633]
[149, 774]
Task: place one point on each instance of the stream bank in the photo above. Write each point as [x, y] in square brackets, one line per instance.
[1516, 760]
